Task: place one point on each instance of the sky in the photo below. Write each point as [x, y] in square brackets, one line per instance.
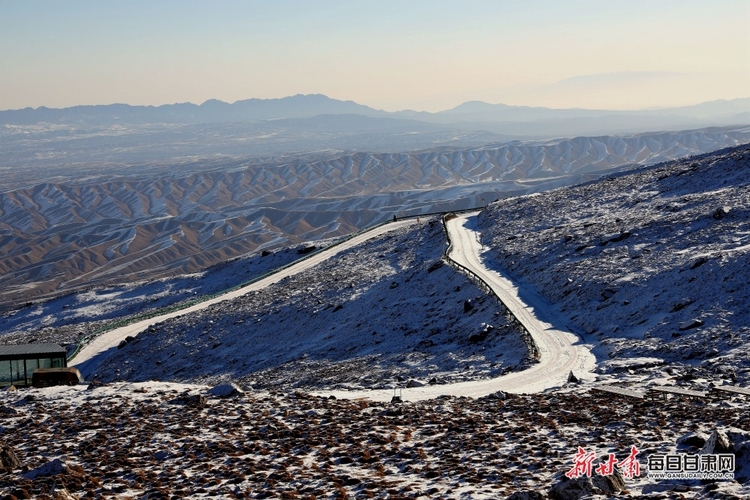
[426, 55]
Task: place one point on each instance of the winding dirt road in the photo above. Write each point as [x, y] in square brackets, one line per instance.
[560, 351]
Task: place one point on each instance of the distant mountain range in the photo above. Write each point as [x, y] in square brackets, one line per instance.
[91, 195]
[497, 118]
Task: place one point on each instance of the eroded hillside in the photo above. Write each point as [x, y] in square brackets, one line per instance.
[57, 238]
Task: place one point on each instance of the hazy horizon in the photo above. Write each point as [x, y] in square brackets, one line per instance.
[365, 104]
[421, 55]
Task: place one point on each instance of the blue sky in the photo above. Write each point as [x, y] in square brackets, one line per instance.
[425, 55]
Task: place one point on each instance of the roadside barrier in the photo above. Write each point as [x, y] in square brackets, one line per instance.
[525, 334]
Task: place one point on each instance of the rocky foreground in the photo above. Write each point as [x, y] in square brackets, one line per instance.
[157, 440]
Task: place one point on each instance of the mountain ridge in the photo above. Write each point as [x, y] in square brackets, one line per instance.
[308, 105]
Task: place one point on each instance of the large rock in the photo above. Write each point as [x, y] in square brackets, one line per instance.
[481, 335]
[54, 468]
[7, 410]
[226, 390]
[692, 439]
[526, 495]
[615, 237]
[8, 458]
[688, 325]
[573, 489]
[720, 213]
[193, 400]
[435, 266]
[740, 444]
[717, 442]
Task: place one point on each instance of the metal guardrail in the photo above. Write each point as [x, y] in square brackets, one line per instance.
[204, 298]
[525, 334]
[189, 303]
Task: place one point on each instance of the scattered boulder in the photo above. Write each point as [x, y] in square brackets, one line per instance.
[193, 400]
[8, 458]
[54, 468]
[681, 304]
[265, 253]
[694, 439]
[720, 213]
[126, 341]
[573, 489]
[61, 493]
[572, 379]
[497, 395]
[717, 442]
[226, 390]
[306, 250]
[95, 384]
[414, 383]
[11, 388]
[613, 238]
[687, 325]
[526, 495]
[479, 337]
[699, 262]
[468, 306]
[435, 266]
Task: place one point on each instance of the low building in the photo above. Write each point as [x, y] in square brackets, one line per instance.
[18, 362]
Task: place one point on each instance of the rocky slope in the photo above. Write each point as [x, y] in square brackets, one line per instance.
[653, 264]
[154, 440]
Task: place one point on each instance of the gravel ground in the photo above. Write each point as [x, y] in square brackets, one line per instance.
[157, 440]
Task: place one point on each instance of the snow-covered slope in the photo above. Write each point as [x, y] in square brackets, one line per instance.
[65, 320]
[382, 312]
[654, 264]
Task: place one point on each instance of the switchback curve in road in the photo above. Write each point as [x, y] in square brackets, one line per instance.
[560, 351]
[92, 355]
